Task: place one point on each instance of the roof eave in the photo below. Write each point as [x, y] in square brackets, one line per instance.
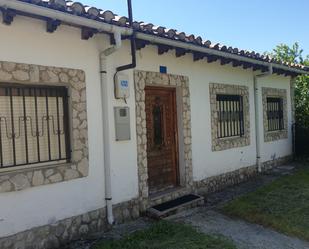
[42, 11]
[101, 26]
[193, 47]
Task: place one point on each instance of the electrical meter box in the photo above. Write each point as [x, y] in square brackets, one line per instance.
[122, 123]
[122, 86]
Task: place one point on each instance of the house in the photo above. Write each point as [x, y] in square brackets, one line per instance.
[84, 143]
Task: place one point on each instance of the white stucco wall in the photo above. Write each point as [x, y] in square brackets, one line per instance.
[279, 148]
[26, 41]
[205, 162]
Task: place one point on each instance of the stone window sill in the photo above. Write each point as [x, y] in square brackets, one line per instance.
[220, 144]
[229, 138]
[272, 136]
[20, 169]
[20, 178]
[276, 132]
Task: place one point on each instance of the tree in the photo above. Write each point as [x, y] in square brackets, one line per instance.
[295, 55]
[288, 54]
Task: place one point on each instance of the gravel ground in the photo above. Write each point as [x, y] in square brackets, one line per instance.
[220, 198]
[245, 235]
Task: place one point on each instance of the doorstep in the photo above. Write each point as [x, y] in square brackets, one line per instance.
[175, 206]
[167, 195]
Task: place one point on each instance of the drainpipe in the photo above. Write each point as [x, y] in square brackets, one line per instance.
[257, 115]
[105, 108]
[132, 41]
[106, 134]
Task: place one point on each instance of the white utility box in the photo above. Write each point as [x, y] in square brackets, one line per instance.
[122, 123]
[122, 86]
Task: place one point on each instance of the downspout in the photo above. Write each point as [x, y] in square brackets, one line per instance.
[257, 115]
[105, 108]
[105, 122]
[133, 44]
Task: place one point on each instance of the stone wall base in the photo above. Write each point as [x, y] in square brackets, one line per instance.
[56, 235]
[276, 162]
[217, 183]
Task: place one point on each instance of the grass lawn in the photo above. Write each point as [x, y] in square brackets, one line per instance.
[282, 205]
[167, 235]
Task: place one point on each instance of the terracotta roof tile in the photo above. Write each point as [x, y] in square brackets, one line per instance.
[77, 8]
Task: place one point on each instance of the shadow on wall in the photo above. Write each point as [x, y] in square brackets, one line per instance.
[301, 141]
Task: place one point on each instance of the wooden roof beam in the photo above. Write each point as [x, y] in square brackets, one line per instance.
[264, 69]
[291, 74]
[180, 52]
[52, 25]
[212, 58]
[8, 16]
[254, 68]
[88, 33]
[140, 44]
[198, 56]
[236, 63]
[279, 71]
[246, 65]
[224, 61]
[163, 49]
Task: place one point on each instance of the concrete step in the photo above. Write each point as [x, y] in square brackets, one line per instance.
[175, 206]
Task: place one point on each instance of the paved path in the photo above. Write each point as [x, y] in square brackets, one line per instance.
[220, 198]
[245, 235]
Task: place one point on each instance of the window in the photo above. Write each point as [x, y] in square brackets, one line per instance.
[275, 114]
[230, 119]
[157, 125]
[230, 116]
[33, 125]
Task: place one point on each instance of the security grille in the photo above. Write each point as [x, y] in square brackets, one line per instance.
[34, 125]
[230, 116]
[275, 114]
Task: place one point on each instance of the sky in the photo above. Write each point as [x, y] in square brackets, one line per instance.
[257, 25]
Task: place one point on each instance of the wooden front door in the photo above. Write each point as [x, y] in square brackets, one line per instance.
[162, 146]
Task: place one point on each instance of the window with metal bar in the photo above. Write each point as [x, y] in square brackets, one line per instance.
[230, 116]
[34, 125]
[275, 114]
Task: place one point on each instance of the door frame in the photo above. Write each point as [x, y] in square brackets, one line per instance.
[181, 83]
[173, 90]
